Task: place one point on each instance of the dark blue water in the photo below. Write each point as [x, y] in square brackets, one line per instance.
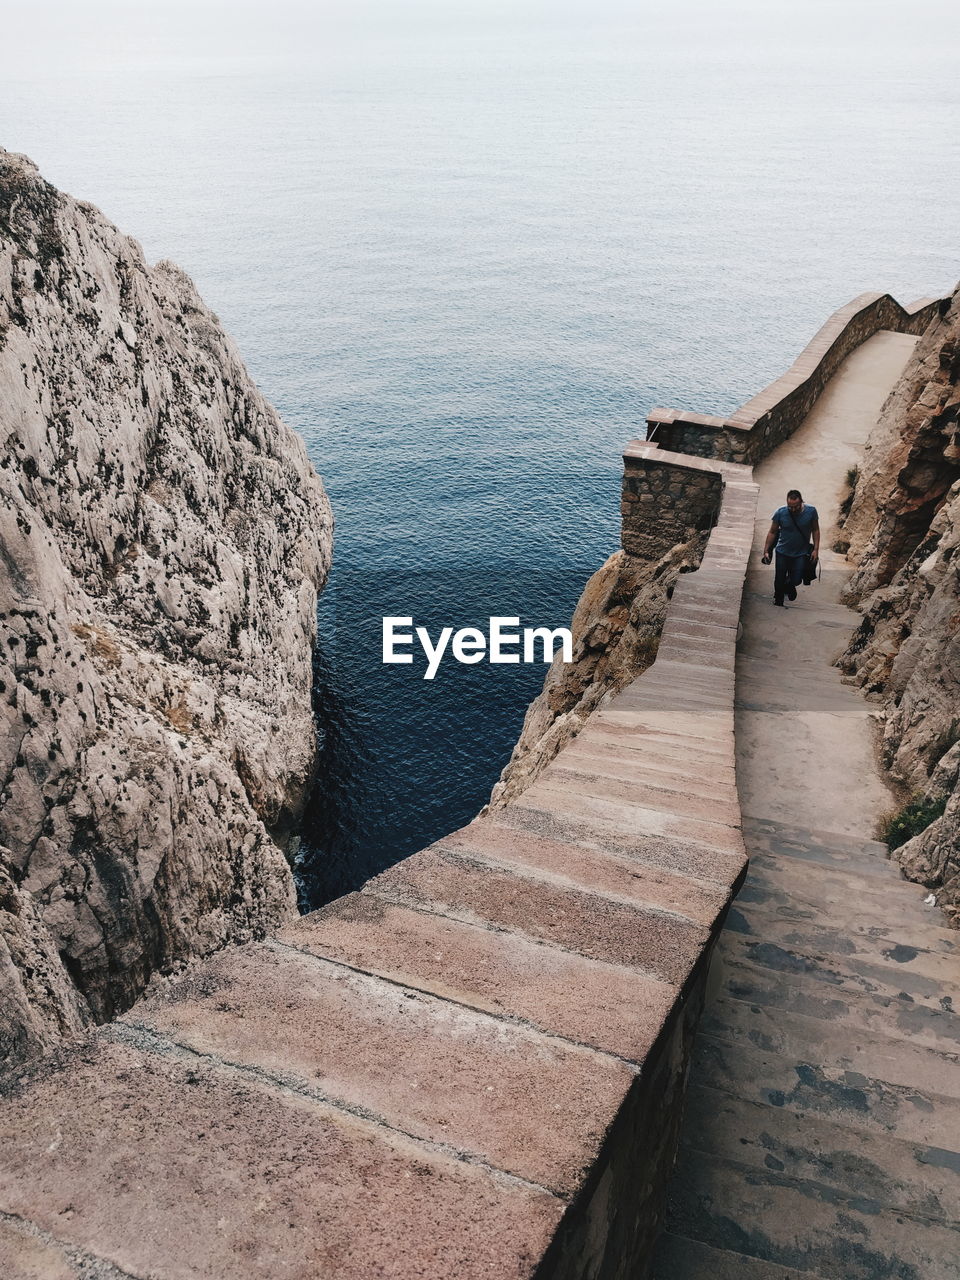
[464, 248]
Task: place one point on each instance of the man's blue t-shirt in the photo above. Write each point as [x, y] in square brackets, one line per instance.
[795, 536]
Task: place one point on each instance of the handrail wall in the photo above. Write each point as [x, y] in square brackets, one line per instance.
[771, 416]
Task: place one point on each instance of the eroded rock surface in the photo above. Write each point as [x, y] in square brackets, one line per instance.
[163, 538]
[904, 529]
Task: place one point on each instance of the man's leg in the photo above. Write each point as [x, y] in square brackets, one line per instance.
[780, 575]
[794, 575]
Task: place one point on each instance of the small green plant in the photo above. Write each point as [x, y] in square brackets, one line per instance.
[853, 475]
[901, 825]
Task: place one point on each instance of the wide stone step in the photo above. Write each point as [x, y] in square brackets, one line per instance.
[167, 1166]
[812, 834]
[605, 1006]
[785, 878]
[847, 974]
[613, 875]
[839, 853]
[805, 1224]
[826, 940]
[683, 856]
[578, 773]
[898, 1015]
[658, 943]
[678, 1258]
[834, 1046]
[880, 1172]
[843, 1096]
[633, 735]
[426, 1067]
[785, 697]
[676, 773]
[573, 799]
[761, 904]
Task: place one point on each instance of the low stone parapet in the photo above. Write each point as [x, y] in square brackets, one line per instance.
[771, 416]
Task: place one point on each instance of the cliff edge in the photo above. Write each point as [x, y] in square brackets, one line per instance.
[903, 528]
[163, 539]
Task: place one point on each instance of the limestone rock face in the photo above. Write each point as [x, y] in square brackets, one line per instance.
[616, 628]
[163, 538]
[905, 532]
[911, 459]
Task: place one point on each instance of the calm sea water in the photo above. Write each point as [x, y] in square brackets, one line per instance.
[464, 248]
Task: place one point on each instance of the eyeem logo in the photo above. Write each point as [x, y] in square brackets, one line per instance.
[470, 645]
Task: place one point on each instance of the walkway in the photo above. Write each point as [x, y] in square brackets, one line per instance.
[822, 1127]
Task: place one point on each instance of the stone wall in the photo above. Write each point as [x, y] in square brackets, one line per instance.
[665, 500]
[770, 417]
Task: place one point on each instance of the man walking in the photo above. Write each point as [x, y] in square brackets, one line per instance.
[793, 528]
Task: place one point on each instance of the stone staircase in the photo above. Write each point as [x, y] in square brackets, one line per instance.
[823, 1120]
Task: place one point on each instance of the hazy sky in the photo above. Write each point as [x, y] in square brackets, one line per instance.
[74, 34]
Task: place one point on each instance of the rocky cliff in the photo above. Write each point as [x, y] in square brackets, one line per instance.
[904, 532]
[163, 538]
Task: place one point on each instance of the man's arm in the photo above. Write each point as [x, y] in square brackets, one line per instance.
[772, 534]
[815, 530]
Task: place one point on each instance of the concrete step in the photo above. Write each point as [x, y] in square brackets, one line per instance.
[834, 1046]
[885, 1015]
[837, 940]
[840, 853]
[870, 916]
[849, 975]
[840, 1095]
[805, 1224]
[713, 781]
[813, 834]
[632, 735]
[679, 1258]
[615, 876]
[616, 1010]
[788, 879]
[704, 731]
[446, 882]
[879, 1171]
[164, 1165]
[572, 800]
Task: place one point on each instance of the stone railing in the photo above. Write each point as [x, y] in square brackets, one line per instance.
[474, 1066]
[770, 417]
[665, 499]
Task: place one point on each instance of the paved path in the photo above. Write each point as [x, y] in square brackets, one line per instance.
[822, 1129]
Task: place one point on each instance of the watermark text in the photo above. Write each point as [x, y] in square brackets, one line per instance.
[503, 642]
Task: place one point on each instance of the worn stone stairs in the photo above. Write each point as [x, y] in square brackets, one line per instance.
[822, 1128]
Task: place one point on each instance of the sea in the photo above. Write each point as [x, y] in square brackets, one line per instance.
[464, 248]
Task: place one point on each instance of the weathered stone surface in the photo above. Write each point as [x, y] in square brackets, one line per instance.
[479, 1085]
[607, 1006]
[163, 539]
[203, 1173]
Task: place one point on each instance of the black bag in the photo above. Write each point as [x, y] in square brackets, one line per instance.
[810, 566]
